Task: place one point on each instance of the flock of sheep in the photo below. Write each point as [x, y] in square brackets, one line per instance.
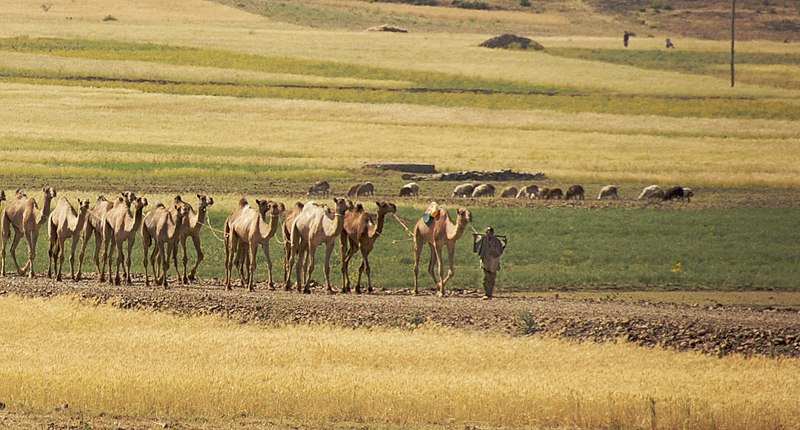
[652, 192]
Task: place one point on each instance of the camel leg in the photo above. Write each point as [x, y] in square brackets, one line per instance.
[60, 252]
[200, 257]
[32, 238]
[87, 234]
[451, 250]
[311, 255]
[364, 268]
[145, 247]
[343, 253]
[440, 266]
[5, 223]
[14, 244]
[163, 261]
[128, 262]
[229, 244]
[242, 261]
[270, 280]
[328, 252]
[72, 258]
[51, 250]
[253, 253]
[417, 255]
[346, 257]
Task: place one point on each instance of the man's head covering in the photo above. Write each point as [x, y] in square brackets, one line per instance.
[489, 229]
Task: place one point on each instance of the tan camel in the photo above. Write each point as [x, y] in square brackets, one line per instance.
[246, 232]
[440, 232]
[163, 226]
[196, 220]
[315, 226]
[94, 227]
[360, 232]
[120, 225]
[64, 223]
[287, 242]
[23, 214]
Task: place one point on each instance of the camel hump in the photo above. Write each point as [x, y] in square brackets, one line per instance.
[243, 202]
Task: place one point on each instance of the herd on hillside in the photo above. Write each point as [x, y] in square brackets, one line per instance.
[166, 228]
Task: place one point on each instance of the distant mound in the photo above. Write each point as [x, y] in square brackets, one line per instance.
[389, 28]
[510, 41]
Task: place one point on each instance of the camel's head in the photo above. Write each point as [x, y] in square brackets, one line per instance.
[83, 205]
[49, 192]
[276, 208]
[263, 206]
[101, 198]
[140, 202]
[341, 205]
[386, 208]
[205, 201]
[19, 193]
[464, 214]
[2, 195]
[181, 210]
[129, 197]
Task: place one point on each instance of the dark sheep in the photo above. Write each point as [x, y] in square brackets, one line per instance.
[576, 191]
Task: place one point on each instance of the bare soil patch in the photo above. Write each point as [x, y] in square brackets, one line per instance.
[718, 330]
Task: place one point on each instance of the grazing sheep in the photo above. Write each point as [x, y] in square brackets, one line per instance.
[409, 189]
[608, 192]
[529, 192]
[688, 194]
[576, 191]
[367, 189]
[509, 192]
[651, 192]
[550, 194]
[684, 194]
[351, 192]
[320, 187]
[463, 190]
[483, 190]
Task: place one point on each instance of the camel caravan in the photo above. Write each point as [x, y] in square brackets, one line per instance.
[166, 228]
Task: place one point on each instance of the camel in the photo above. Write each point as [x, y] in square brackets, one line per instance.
[360, 232]
[287, 243]
[24, 216]
[438, 234]
[164, 226]
[246, 231]
[64, 223]
[191, 228]
[94, 226]
[311, 228]
[119, 225]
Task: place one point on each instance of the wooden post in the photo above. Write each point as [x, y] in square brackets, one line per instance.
[733, 25]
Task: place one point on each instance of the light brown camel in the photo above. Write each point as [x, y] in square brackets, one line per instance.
[163, 226]
[360, 232]
[94, 227]
[120, 225]
[64, 223]
[244, 206]
[192, 227]
[315, 226]
[249, 231]
[23, 214]
[287, 241]
[439, 233]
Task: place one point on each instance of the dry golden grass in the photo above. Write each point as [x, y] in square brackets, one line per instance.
[309, 135]
[103, 360]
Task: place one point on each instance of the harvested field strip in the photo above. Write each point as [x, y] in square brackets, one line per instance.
[145, 364]
[698, 62]
[624, 104]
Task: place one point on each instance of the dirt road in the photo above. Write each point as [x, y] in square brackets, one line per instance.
[718, 330]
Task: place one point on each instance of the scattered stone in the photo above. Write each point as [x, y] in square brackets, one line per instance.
[389, 28]
[510, 41]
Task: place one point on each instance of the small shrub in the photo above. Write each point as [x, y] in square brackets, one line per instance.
[527, 324]
[477, 5]
[109, 18]
[46, 7]
[525, 3]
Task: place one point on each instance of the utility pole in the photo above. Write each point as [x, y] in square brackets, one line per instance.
[733, 25]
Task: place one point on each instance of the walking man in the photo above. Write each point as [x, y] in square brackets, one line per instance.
[489, 251]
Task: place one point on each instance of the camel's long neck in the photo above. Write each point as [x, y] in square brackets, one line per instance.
[455, 231]
[77, 222]
[378, 229]
[42, 217]
[174, 227]
[268, 229]
[132, 225]
[196, 220]
[333, 228]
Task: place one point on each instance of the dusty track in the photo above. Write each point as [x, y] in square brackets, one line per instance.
[718, 330]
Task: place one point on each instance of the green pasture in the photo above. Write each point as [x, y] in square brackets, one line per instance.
[567, 249]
